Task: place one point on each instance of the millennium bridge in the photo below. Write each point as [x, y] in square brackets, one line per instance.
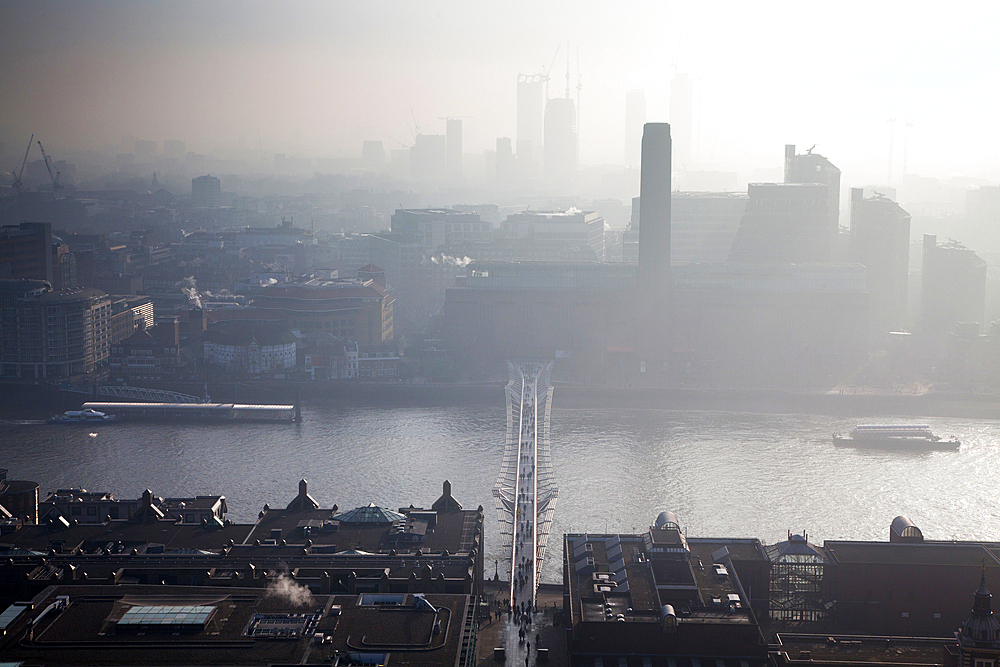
[525, 493]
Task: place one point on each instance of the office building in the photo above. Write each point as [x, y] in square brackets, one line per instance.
[784, 223]
[561, 228]
[350, 310]
[682, 118]
[953, 290]
[530, 113]
[703, 225]
[560, 153]
[436, 227]
[206, 192]
[880, 240]
[26, 251]
[453, 140]
[47, 334]
[814, 168]
[635, 119]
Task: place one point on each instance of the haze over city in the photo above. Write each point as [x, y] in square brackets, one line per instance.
[687, 316]
[317, 78]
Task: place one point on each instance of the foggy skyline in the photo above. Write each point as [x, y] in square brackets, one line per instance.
[316, 79]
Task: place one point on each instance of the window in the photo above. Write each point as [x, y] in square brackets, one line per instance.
[75, 511]
[91, 511]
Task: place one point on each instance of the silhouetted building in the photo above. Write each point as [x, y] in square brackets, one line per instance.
[953, 290]
[437, 227]
[560, 142]
[880, 240]
[784, 223]
[814, 168]
[703, 225]
[26, 251]
[530, 126]
[429, 158]
[563, 228]
[453, 139]
[206, 192]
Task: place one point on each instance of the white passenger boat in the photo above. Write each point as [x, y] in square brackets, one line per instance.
[85, 416]
[895, 436]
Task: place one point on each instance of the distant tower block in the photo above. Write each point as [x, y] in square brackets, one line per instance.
[453, 134]
[654, 204]
[530, 113]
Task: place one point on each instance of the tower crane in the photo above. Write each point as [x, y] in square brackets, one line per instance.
[17, 174]
[545, 72]
[48, 166]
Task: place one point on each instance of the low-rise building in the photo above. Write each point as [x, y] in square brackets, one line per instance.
[248, 348]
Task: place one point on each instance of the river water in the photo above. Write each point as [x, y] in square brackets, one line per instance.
[725, 474]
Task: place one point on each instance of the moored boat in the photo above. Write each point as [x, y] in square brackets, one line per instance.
[895, 436]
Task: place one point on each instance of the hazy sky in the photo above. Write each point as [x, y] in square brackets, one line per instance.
[317, 78]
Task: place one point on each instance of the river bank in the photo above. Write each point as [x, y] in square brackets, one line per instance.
[33, 401]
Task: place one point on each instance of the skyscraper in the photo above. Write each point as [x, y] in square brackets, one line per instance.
[635, 118]
[560, 142]
[453, 134]
[530, 110]
[681, 117]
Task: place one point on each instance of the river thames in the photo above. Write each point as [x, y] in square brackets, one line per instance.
[725, 474]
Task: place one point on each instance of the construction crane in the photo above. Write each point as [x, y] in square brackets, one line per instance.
[48, 165]
[17, 174]
[545, 72]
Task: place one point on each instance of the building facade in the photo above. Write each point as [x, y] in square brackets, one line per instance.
[880, 240]
[49, 334]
